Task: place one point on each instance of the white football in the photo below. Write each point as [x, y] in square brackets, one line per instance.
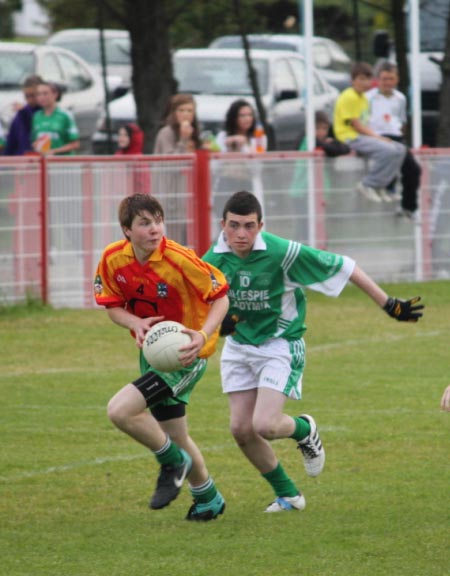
[162, 345]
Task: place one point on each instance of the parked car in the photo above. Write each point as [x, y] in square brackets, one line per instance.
[83, 92]
[216, 78]
[328, 57]
[86, 43]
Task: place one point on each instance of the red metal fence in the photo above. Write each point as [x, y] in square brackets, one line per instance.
[57, 214]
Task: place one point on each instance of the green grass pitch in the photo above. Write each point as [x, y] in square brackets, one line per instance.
[74, 490]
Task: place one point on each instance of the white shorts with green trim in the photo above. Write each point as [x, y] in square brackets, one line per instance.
[277, 364]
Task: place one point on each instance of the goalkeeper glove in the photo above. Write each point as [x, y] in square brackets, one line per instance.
[228, 325]
[404, 310]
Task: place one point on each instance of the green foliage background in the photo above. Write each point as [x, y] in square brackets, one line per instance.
[75, 490]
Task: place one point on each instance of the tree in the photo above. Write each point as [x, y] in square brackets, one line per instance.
[153, 82]
[7, 7]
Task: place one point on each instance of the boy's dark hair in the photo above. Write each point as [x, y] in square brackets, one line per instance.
[361, 69]
[243, 203]
[31, 81]
[133, 206]
[321, 118]
[386, 67]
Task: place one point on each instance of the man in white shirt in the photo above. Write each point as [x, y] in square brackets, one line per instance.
[388, 118]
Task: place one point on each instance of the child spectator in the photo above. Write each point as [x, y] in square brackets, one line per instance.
[53, 130]
[130, 139]
[350, 125]
[388, 118]
[324, 141]
[130, 142]
[240, 124]
[18, 141]
[180, 135]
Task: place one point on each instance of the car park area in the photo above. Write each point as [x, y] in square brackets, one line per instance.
[217, 77]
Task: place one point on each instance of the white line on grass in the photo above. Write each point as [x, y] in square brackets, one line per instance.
[95, 462]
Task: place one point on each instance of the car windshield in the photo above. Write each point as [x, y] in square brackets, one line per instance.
[433, 25]
[117, 49]
[206, 75]
[14, 68]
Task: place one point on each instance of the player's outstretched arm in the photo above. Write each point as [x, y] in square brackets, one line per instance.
[445, 400]
[402, 310]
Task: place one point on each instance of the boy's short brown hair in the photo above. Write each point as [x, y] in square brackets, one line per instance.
[361, 69]
[134, 205]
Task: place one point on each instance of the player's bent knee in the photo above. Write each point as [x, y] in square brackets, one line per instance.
[117, 413]
[241, 433]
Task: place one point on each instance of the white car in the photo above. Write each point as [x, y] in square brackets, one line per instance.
[83, 92]
[86, 43]
[217, 78]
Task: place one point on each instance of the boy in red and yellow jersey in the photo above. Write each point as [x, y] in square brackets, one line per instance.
[142, 280]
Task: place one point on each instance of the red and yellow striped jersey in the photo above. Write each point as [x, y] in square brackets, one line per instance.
[174, 283]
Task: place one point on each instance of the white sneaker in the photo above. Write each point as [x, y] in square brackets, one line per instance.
[413, 216]
[385, 195]
[286, 503]
[409, 215]
[368, 192]
[312, 449]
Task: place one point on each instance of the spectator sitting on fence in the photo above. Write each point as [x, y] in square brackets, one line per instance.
[180, 135]
[331, 146]
[350, 125]
[18, 141]
[53, 130]
[388, 118]
[240, 124]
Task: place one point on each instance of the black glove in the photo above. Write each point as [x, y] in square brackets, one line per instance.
[404, 310]
[228, 325]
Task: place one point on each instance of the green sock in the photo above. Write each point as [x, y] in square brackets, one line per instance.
[169, 454]
[281, 483]
[302, 428]
[204, 493]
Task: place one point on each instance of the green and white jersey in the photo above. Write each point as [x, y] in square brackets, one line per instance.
[59, 126]
[266, 288]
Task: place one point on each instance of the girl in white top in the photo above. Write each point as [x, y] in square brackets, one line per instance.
[240, 124]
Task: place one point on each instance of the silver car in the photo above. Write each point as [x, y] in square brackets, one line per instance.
[328, 57]
[83, 92]
[218, 77]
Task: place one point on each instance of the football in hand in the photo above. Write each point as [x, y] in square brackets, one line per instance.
[161, 347]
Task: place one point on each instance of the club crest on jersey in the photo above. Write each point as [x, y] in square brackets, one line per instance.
[98, 284]
[163, 290]
[214, 282]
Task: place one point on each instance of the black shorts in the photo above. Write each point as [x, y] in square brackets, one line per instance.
[168, 411]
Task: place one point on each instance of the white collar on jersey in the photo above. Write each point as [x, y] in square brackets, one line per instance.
[222, 245]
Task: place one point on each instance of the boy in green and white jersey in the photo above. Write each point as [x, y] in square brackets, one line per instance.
[53, 130]
[264, 353]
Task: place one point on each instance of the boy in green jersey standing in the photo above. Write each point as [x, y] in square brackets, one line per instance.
[264, 353]
[53, 130]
